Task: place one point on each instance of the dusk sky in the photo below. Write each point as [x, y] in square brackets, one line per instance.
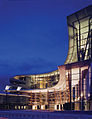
[34, 35]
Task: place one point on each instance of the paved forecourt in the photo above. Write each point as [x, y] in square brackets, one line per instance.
[28, 114]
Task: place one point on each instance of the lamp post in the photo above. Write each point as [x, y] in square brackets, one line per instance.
[18, 89]
[6, 89]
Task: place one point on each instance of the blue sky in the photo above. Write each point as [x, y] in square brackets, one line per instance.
[34, 35]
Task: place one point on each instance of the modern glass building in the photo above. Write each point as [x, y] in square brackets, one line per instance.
[67, 88]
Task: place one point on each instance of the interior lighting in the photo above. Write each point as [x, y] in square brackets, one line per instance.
[88, 94]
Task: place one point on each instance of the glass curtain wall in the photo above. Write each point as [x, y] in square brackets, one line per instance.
[80, 36]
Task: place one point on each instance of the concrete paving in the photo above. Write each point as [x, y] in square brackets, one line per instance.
[29, 114]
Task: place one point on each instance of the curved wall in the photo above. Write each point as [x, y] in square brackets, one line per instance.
[80, 35]
[69, 86]
[38, 81]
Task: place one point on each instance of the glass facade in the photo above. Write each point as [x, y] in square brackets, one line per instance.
[80, 36]
[69, 87]
[38, 81]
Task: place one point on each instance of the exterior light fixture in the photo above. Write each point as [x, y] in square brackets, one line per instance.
[88, 94]
[7, 87]
[6, 99]
[19, 88]
[81, 94]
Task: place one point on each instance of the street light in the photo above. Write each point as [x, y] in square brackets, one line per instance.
[19, 88]
[18, 99]
[6, 88]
